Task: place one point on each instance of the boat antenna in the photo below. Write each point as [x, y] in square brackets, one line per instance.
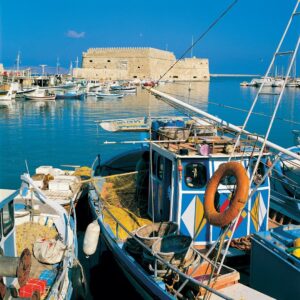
[213, 24]
[57, 66]
[27, 169]
[18, 61]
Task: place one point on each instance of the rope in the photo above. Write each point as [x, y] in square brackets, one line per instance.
[201, 36]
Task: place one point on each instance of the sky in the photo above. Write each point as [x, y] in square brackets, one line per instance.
[242, 42]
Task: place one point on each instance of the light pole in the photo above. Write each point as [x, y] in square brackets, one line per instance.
[43, 73]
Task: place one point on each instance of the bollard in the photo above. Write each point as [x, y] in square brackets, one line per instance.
[16, 266]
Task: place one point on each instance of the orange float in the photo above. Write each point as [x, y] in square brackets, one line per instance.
[238, 201]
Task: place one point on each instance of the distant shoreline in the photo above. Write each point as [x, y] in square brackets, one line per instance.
[235, 75]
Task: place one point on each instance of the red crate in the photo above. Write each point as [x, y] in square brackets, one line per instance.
[31, 286]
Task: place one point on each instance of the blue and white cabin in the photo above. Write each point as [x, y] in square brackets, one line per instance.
[180, 175]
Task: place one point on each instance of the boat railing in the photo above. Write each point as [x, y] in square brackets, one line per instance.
[158, 258]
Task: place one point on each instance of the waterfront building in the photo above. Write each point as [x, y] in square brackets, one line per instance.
[139, 63]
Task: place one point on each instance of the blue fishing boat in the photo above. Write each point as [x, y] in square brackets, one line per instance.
[39, 246]
[179, 213]
[70, 94]
[174, 181]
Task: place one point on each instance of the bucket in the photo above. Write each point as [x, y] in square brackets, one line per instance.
[149, 234]
[174, 249]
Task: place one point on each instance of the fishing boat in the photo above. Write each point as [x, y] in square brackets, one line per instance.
[38, 247]
[177, 167]
[137, 124]
[70, 94]
[123, 88]
[109, 95]
[178, 212]
[285, 180]
[61, 186]
[41, 95]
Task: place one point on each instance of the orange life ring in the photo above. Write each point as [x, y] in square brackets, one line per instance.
[240, 196]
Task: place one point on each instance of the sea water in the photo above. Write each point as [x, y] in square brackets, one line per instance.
[66, 132]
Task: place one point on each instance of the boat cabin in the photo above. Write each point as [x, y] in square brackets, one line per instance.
[7, 227]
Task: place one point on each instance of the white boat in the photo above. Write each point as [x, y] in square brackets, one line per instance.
[278, 82]
[38, 246]
[7, 96]
[109, 95]
[61, 186]
[139, 123]
[41, 95]
[124, 88]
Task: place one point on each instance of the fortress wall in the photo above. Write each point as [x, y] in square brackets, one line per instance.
[141, 63]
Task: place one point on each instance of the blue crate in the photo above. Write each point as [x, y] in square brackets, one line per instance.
[49, 276]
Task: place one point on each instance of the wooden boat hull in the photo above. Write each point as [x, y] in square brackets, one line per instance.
[37, 98]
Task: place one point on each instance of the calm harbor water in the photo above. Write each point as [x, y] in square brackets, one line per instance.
[64, 132]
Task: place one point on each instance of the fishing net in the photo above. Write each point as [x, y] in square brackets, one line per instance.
[83, 172]
[28, 233]
[124, 201]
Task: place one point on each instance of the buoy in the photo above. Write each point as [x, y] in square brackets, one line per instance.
[239, 200]
[91, 238]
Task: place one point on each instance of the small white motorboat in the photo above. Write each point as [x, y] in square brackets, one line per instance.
[41, 94]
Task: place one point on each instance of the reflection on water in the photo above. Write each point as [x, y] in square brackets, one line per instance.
[65, 132]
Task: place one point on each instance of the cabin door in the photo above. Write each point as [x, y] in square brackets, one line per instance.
[161, 187]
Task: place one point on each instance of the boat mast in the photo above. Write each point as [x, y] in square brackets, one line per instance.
[57, 66]
[18, 61]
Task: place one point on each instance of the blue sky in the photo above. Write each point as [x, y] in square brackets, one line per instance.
[243, 41]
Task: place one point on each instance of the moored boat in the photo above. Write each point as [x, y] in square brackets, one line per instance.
[40, 95]
[70, 94]
[39, 247]
[109, 95]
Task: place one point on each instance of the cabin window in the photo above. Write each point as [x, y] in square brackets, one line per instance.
[160, 165]
[194, 77]
[7, 218]
[108, 60]
[134, 76]
[195, 175]
[91, 60]
[175, 76]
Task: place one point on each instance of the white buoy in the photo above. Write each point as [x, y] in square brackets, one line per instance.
[91, 238]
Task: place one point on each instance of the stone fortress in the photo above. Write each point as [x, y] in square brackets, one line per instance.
[139, 63]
